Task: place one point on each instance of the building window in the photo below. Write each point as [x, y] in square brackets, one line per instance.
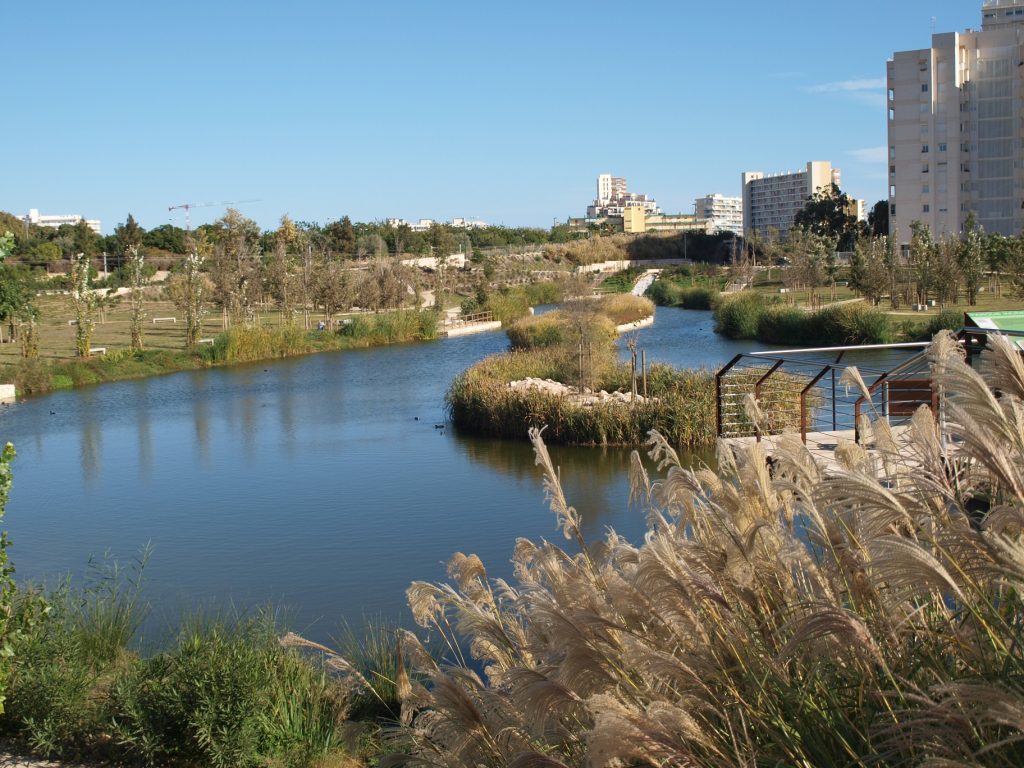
[924, 87]
[892, 210]
[925, 208]
[892, 113]
[892, 170]
[892, 153]
[924, 167]
[892, 95]
[942, 147]
[892, 190]
[924, 189]
[924, 149]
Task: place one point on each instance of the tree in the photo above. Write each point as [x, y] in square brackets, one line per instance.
[827, 213]
[922, 259]
[868, 272]
[127, 236]
[188, 291]
[878, 219]
[341, 237]
[946, 270]
[83, 302]
[136, 279]
[236, 266]
[971, 258]
[1013, 264]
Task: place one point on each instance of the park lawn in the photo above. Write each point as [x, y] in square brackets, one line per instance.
[57, 337]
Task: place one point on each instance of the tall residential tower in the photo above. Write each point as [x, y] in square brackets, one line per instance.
[956, 133]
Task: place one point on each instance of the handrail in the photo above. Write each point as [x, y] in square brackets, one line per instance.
[718, 391]
[757, 393]
[803, 401]
[851, 348]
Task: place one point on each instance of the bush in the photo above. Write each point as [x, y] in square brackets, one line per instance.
[667, 293]
[226, 694]
[246, 343]
[750, 316]
[737, 316]
[946, 320]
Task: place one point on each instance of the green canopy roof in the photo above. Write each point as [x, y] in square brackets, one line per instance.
[1012, 320]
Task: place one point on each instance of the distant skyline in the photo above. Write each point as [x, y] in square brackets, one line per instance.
[415, 110]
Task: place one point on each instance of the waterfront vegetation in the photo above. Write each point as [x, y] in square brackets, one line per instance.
[865, 617]
[481, 401]
[238, 344]
[768, 618]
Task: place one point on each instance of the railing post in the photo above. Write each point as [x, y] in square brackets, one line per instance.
[757, 393]
[718, 391]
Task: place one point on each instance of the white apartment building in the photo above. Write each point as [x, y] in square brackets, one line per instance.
[724, 213]
[58, 220]
[613, 198]
[956, 138]
[773, 201]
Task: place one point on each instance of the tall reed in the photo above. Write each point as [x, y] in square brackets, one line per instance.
[864, 614]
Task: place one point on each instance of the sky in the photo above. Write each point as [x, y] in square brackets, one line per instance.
[504, 112]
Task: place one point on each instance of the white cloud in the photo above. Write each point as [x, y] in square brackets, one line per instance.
[850, 86]
[870, 155]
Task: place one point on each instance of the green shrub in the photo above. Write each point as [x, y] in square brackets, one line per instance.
[946, 320]
[245, 343]
[737, 316]
[667, 293]
[226, 694]
[624, 308]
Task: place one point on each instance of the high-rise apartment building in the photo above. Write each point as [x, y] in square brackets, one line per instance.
[956, 137]
[772, 202]
[724, 213]
[613, 198]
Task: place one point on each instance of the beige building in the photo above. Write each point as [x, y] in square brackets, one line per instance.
[58, 220]
[956, 137]
[724, 213]
[636, 221]
[772, 202]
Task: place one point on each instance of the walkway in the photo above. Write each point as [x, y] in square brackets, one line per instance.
[644, 281]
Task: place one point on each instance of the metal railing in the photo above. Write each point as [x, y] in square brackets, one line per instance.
[794, 392]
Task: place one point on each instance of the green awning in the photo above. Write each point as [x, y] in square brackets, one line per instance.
[1011, 320]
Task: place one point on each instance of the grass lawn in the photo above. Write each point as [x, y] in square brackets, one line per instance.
[57, 338]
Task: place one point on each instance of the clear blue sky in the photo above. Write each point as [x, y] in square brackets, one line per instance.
[505, 112]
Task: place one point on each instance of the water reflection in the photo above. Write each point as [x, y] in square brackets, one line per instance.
[330, 506]
[91, 438]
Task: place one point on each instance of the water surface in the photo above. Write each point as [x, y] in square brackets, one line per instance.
[322, 484]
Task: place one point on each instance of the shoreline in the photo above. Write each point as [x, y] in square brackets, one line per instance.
[34, 377]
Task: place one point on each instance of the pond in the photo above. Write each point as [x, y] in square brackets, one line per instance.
[323, 485]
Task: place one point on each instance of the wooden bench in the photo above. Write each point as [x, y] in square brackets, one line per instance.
[97, 350]
[206, 341]
[907, 395]
[164, 320]
[72, 322]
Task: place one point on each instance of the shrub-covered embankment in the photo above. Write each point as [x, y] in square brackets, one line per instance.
[680, 403]
[575, 347]
[667, 293]
[750, 315]
[238, 344]
[590, 321]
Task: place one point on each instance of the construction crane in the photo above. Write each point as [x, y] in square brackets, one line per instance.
[189, 206]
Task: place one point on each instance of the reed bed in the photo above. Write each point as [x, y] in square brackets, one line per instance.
[680, 403]
[622, 308]
[667, 293]
[869, 615]
[238, 344]
[749, 315]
